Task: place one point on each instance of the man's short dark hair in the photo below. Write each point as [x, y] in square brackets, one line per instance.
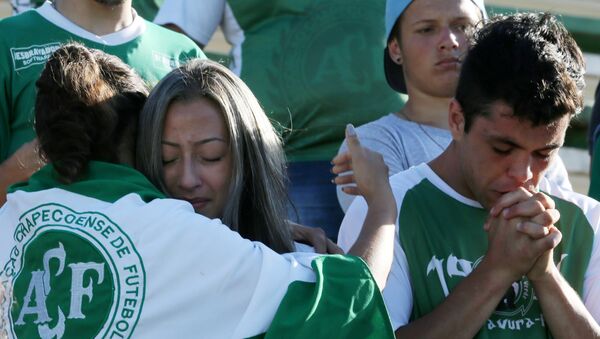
[528, 61]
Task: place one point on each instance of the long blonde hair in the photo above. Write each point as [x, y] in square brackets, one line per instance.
[257, 203]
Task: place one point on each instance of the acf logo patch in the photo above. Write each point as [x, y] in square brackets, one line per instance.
[72, 275]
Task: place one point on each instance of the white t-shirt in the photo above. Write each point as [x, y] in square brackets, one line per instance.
[200, 19]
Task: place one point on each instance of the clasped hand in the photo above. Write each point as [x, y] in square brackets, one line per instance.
[522, 236]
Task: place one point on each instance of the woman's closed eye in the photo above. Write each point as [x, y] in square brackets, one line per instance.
[168, 161]
[212, 159]
[208, 158]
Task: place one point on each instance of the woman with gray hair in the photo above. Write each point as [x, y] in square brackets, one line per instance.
[204, 138]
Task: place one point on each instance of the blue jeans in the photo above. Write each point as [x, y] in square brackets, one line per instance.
[314, 197]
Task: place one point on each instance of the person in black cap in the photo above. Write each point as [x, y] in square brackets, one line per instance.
[427, 42]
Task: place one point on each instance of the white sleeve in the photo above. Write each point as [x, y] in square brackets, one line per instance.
[203, 260]
[591, 283]
[397, 294]
[557, 173]
[352, 223]
[20, 6]
[344, 199]
[198, 19]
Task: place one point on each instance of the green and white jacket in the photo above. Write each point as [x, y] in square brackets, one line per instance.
[108, 256]
[440, 240]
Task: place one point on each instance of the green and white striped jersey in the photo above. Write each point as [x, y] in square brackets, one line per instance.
[440, 240]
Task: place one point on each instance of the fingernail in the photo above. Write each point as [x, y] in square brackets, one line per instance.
[505, 212]
[350, 130]
[520, 226]
[493, 211]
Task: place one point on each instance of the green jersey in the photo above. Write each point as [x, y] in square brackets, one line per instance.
[441, 240]
[28, 39]
[147, 9]
[315, 66]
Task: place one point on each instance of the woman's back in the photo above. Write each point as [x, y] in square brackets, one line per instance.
[90, 248]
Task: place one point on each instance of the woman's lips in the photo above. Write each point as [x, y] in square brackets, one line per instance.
[198, 203]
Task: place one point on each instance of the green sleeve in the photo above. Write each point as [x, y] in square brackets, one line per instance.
[344, 302]
[198, 53]
[147, 9]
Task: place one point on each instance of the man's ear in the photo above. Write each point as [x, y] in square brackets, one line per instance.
[394, 51]
[456, 120]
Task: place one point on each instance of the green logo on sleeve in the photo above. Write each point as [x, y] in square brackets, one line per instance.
[72, 275]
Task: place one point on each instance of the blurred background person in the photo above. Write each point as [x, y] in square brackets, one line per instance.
[147, 9]
[112, 26]
[313, 67]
